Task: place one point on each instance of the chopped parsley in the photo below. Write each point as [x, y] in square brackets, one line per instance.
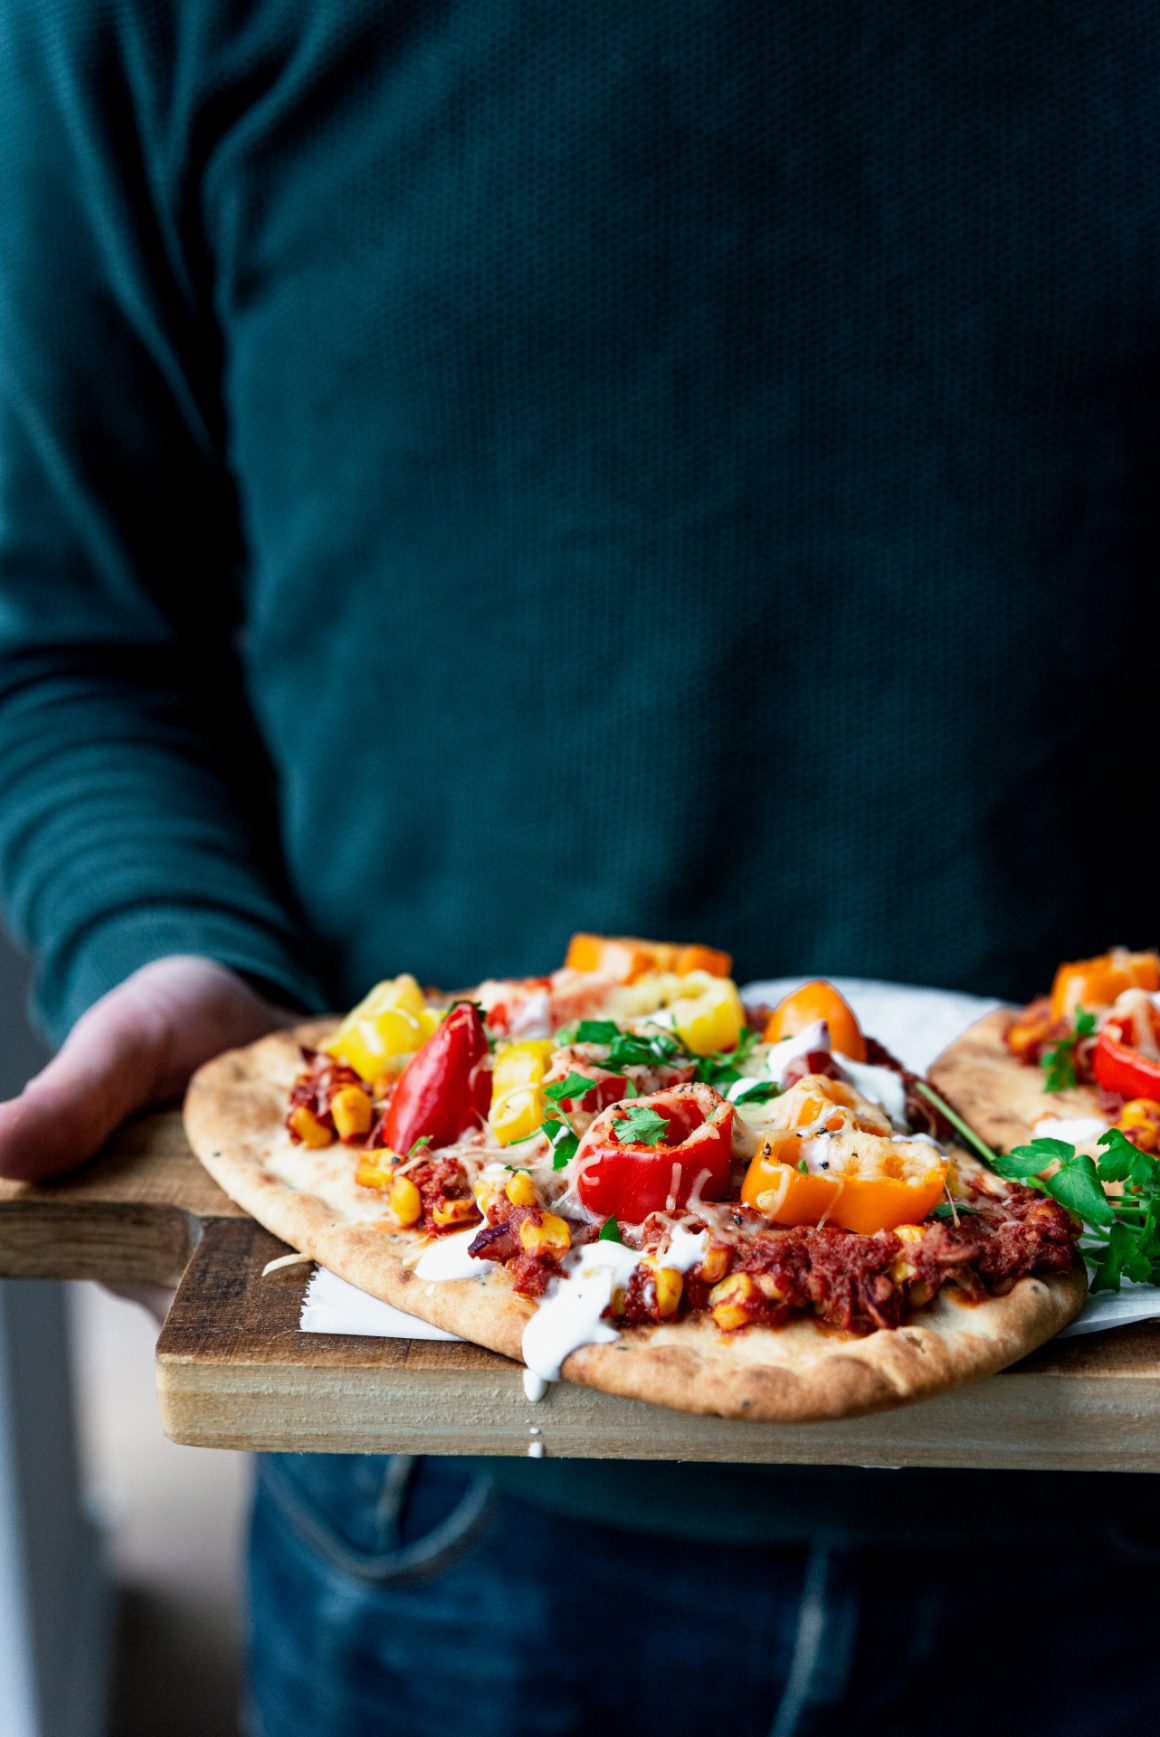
[575, 1087]
[744, 1091]
[610, 1231]
[720, 1069]
[1058, 1059]
[641, 1126]
[417, 1145]
[594, 1031]
[563, 1142]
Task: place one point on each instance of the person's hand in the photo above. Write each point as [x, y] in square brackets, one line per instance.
[137, 1046]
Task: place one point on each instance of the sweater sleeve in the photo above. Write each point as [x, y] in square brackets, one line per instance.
[138, 812]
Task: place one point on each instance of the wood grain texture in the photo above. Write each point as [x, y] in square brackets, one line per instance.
[253, 1381]
[131, 1216]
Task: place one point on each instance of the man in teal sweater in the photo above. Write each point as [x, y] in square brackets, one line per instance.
[474, 470]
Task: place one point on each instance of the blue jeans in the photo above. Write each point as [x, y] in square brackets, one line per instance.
[407, 1597]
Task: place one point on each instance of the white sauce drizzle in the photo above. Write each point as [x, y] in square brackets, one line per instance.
[882, 1086]
[569, 1315]
[815, 1036]
[534, 1385]
[1076, 1130]
[448, 1258]
[686, 1249]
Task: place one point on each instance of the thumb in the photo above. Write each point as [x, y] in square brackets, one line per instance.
[138, 1045]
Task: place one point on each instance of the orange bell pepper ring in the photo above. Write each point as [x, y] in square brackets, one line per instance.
[895, 1187]
[626, 958]
[1097, 982]
[814, 1001]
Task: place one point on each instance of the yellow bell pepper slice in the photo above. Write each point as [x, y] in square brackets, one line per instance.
[517, 1099]
[710, 1019]
[392, 1021]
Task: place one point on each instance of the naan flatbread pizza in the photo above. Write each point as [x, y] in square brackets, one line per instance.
[619, 1175]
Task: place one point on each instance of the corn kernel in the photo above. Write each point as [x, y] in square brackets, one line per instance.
[732, 1301]
[550, 1236]
[455, 1212]
[308, 1128]
[520, 1189]
[376, 1169]
[715, 1264]
[352, 1111]
[668, 1284]
[405, 1201]
[909, 1232]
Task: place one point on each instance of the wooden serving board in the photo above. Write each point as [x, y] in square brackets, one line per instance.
[234, 1371]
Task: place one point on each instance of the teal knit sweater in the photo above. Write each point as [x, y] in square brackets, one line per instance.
[474, 470]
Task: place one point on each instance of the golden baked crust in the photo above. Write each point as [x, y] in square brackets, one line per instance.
[1001, 1097]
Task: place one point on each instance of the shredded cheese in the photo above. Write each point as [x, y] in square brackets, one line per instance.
[290, 1260]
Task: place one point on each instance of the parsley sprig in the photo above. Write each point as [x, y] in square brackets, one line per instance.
[720, 1069]
[561, 1136]
[571, 1090]
[1121, 1232]
[1058, 1059]
[641, 1126]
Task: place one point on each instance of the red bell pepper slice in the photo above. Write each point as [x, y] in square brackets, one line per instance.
[445, 1089]
[629, 1179]
[1120, 1068]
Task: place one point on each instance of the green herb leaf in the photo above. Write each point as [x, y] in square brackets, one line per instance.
[576, 1086]
[1058, 1064]
[720, 1068]
[946, 1212]
[1076, 1186]
[1058, 1059]
[803, 1166]
[597, 1031]
[417, 1145]
[1116, 1162]
[752, 1092]
[641, 1126]
[564, 1142]
[610, 1231]
[1026, 1161]
[631, 1049]
[1115, 1254]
